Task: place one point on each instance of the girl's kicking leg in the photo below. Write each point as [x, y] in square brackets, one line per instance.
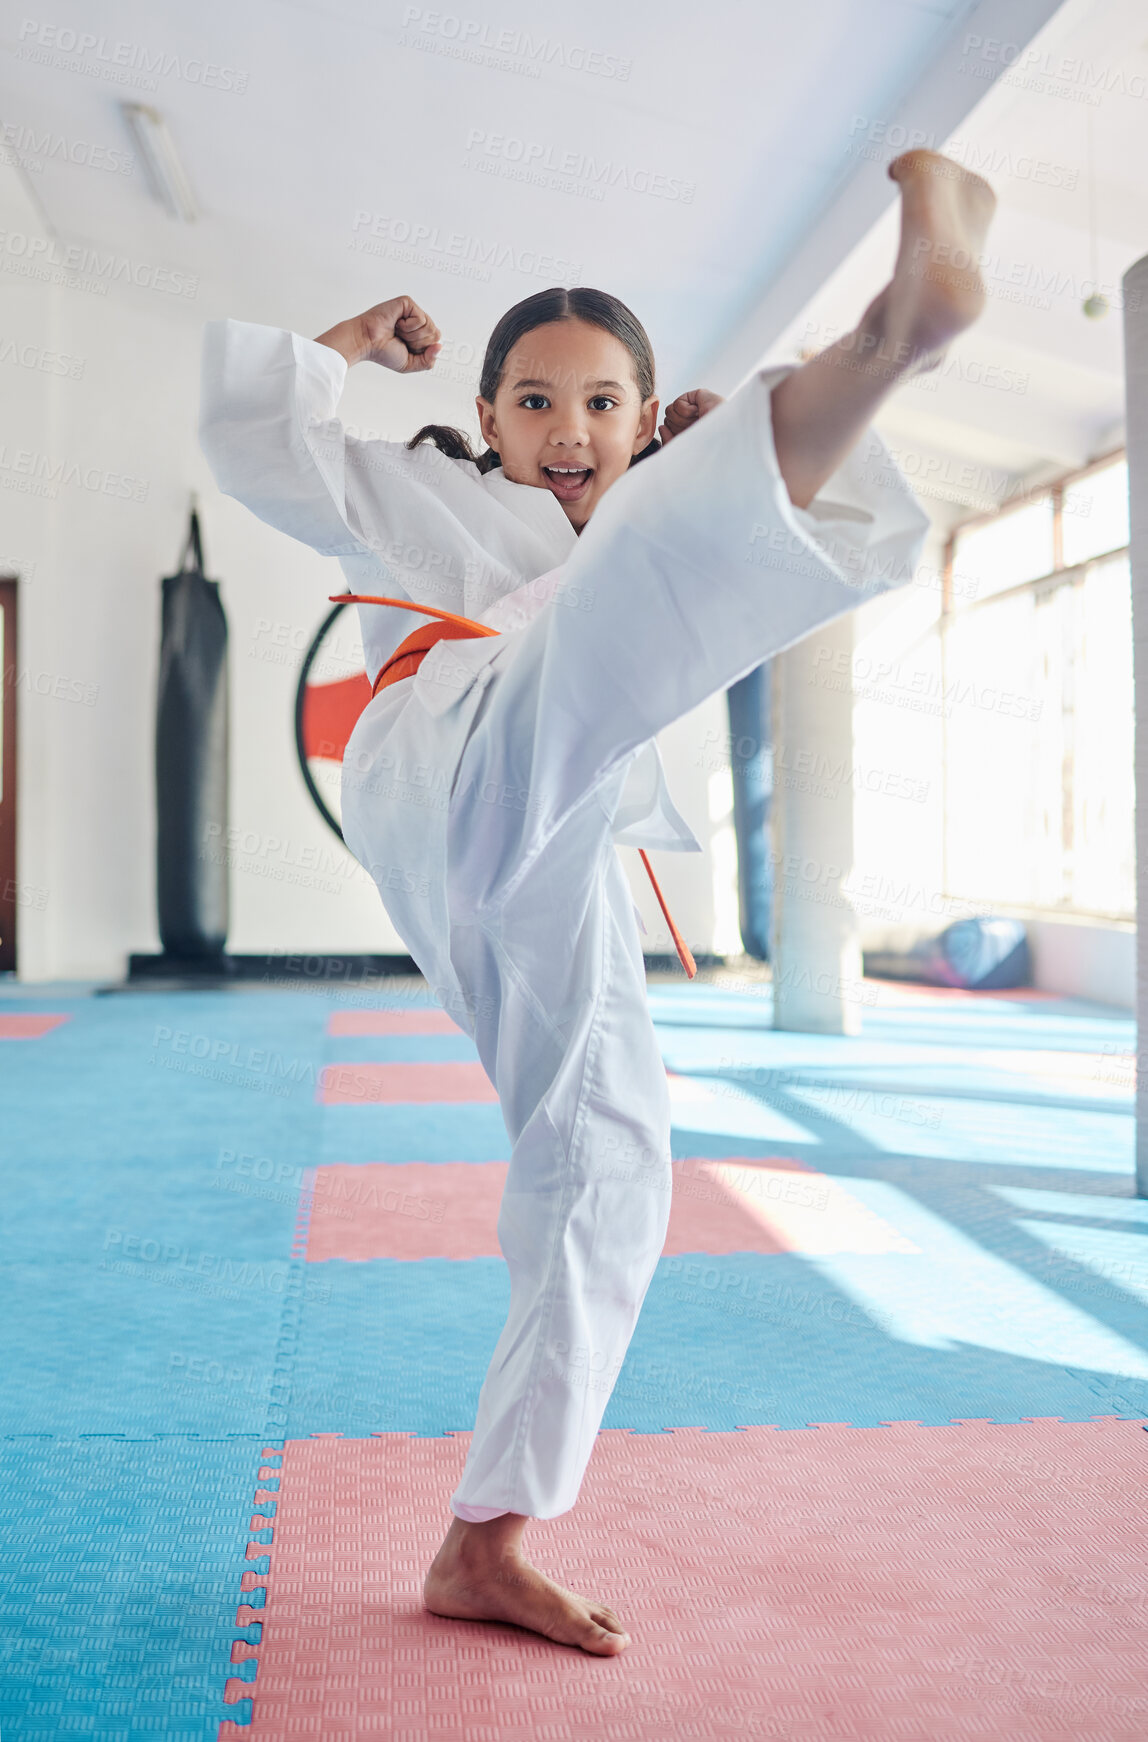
[935, 293]
[678, 611]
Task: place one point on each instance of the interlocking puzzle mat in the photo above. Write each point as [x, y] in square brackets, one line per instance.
[971, 1581]
[234, 1223]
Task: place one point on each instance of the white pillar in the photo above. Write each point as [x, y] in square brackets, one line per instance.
[1136, 413]
[816, 937]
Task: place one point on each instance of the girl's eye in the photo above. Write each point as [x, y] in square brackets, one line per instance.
[536, 402]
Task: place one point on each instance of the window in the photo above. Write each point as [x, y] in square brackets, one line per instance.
[1039, 784]
[1096, 514]
[1014, 546]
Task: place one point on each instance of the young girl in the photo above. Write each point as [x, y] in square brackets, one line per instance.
[486, 788]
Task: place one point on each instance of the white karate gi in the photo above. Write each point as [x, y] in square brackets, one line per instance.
[485, 795]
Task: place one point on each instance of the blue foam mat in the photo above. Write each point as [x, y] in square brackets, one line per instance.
[121, 1563]
[405, 1131]
[399, 1049]
[745, 1339]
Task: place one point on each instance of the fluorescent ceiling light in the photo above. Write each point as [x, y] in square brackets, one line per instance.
[164, 171]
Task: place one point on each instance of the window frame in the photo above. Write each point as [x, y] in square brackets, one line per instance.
[1058, 576]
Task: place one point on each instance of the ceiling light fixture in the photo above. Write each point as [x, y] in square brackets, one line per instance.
[164, 171]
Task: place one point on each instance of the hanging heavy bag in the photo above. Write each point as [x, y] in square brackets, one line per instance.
[191, 763]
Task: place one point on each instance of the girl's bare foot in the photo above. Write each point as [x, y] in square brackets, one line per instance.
[821, 410]
[937, 289]
[481, 1574]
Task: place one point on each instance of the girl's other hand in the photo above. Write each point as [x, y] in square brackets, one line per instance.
[686, 409]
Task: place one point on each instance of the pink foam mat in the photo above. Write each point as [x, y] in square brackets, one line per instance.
[391, 1022]
[416, 1209]
[28, 1026]
[450, 1210]
[362, 1084]
[895, 1584]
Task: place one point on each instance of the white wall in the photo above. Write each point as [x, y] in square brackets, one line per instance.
[91, 564]
[1084, 959]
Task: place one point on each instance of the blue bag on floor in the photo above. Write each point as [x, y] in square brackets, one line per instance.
[977, 955]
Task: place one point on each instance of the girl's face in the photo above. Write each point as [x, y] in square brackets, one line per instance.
[568, 415]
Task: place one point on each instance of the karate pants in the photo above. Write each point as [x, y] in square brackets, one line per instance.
[666, 601]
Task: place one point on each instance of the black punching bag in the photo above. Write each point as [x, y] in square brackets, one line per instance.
[191, 764]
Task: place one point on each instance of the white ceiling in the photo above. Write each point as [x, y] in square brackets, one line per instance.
[346, 107]
[1036, 387]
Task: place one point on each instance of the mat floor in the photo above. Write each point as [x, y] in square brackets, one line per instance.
[873, 1467]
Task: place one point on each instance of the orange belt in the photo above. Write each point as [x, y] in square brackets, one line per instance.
[407, 658]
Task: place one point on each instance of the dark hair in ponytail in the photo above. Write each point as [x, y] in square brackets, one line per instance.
[597, 307]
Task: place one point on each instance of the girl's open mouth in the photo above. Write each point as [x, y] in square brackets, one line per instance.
[569, 483]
